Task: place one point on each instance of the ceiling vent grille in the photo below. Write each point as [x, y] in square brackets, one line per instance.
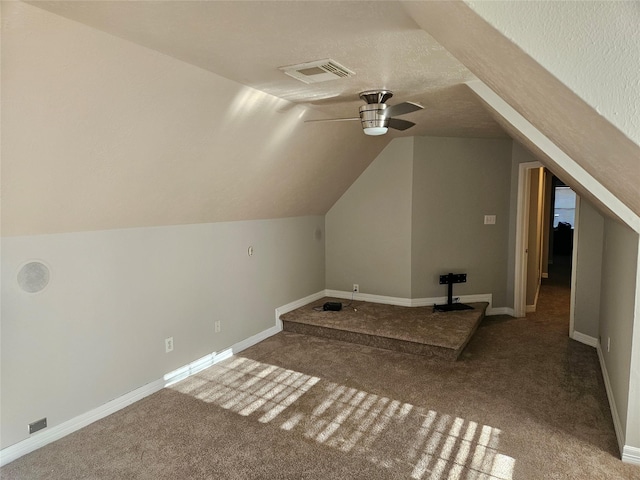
[318, 71]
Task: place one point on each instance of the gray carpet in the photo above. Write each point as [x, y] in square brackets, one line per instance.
[417, 330]
[522, 402]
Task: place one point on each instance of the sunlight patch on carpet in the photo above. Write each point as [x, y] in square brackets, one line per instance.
[392, 434]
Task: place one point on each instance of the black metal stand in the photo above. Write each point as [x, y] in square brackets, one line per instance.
[450, 279]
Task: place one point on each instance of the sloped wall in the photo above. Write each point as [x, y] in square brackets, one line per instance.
[101, 133]
[566, 37]
[142, 181]
[591, 140]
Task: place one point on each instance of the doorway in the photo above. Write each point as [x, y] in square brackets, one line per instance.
[561, 233]
[544, 241]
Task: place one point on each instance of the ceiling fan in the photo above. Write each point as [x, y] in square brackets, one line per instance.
[376, 116]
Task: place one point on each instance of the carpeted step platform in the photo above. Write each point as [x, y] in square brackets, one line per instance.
[416, 330]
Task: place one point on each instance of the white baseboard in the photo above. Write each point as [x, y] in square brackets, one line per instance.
[628, 453]
[52, 434]
[49, 435]
[367, 297]
[297, 304]
[406, 302]
[586, 339]
[251, 341]
[532, 308]
[631, 455]
[612, 404]
[501, 311]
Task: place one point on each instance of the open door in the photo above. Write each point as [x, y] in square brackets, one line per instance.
[537, 232]
[523, 226]
[546, 235]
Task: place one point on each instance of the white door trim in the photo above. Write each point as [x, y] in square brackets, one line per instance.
[574, 264]
[522, 231]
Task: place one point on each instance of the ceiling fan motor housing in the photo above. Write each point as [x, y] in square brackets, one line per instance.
[376, 96]
[376, 117]
[372, 115]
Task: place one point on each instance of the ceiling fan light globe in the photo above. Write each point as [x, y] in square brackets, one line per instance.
[375, 130]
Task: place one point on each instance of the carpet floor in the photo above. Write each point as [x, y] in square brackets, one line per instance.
[522, 402]
[416, 330]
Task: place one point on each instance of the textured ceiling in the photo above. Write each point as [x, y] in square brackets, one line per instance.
[160, 113]
[247, 41]
[575, 127]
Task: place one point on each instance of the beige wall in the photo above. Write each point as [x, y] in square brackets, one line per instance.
[97, 331]
[100, 134]
[417, 212]
[369, 227]
[617, 310]
[107, 148]
[588, 270]
[456, 182]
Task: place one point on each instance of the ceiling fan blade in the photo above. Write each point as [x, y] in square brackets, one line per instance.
[333, 120]
[402, 109]
[400, 124]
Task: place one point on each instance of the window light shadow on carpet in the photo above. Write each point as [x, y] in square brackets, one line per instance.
[391, 434]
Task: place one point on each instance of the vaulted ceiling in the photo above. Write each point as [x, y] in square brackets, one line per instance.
[247, 41]
[123, 113]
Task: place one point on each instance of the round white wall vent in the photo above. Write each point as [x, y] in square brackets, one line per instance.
[33, 276]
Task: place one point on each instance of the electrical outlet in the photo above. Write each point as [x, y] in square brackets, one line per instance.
[216, 326]
[608, 344]
[168, 344]
[356, 288]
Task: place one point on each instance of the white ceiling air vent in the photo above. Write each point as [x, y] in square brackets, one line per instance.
[318, 71]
